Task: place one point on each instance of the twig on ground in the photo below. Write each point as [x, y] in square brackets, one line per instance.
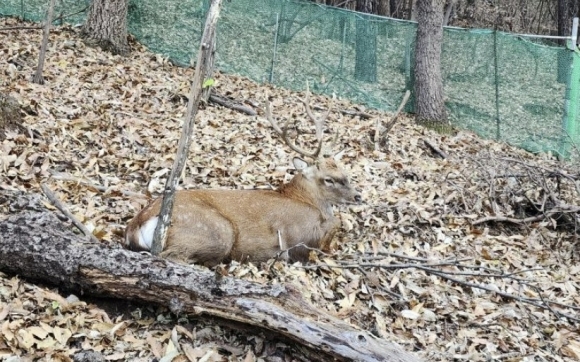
[67, 177]
[562, 209]
[347, 112]
[379, 255]
[536, 302]
[435, 149]
[16, 28]
[230, 103]
[56, 202]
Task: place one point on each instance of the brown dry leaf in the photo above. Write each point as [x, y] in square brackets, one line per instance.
[155, 346]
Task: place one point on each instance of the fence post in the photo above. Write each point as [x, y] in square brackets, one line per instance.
[275, 50]
[570, 120]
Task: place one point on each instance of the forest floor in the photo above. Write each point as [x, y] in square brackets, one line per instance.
[474, 256]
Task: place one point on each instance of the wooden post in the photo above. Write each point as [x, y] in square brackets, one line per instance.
[202, 68]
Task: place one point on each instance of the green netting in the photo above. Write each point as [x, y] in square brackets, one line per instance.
[68, 11]
[499, 85]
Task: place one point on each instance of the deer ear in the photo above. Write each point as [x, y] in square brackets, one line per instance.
[306, 169]
[299, 164]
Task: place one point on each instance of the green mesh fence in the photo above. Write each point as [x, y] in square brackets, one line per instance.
[501, 86]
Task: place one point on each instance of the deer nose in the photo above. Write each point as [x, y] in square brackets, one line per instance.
[357, 198]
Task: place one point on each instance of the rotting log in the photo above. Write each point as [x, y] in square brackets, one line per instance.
[37, 246]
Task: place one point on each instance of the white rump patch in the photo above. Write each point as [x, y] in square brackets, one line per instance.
[146, 233]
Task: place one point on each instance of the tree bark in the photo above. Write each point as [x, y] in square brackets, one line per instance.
[383, 7]
[430, 104]
[448, 12]
[106, 26]
[567, 10]
[395, 8]
[37, 246]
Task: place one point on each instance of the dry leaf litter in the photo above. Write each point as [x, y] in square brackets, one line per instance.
[412, 265]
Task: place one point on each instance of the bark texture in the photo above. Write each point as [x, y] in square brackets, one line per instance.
[567, 10]
[430, 104]
[106, 26]
[36, 245]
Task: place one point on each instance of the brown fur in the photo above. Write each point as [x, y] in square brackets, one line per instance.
[212, 226]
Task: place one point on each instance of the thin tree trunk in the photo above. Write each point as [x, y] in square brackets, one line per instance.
[36, 245]
[410, 11]
[37, 77]
[430, 104]
[106, 26]
[203, 70]
[395, 8]
[448, 12]
[383, 7]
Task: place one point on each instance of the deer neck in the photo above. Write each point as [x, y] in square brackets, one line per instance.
[300, 190]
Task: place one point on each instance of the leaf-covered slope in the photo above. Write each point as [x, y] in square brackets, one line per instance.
[412, 265]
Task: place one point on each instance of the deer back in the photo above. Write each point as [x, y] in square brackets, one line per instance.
[211, 226]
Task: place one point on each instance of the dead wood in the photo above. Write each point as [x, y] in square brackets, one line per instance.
[232, 104]
[59, 205]
[36, 245]
[382, 140]
[63, 176]
[435, 149]
[17, 28]
[10, 117]
[347, 112]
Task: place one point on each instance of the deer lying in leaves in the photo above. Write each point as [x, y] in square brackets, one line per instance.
[213, 226]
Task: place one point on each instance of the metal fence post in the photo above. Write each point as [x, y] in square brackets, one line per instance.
[570, 120]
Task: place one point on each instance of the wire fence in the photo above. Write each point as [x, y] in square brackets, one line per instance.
[515, 88]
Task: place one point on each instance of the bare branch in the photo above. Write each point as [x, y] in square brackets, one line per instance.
[562, 209]
[56, 202]
[435, 149]
[378, 139]
[61, 176]
[536, 302]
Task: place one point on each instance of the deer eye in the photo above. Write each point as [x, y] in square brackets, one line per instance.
[328, 181]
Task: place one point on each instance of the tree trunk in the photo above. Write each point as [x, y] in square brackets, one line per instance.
[365, 68]
[448, 12]
[383, 7]
[410, 11]
[395, 8]
[36, 245]
[106, 26]
[430, 104]
[566, 11]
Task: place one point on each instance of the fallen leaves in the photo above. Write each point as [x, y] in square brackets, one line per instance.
[103, 132]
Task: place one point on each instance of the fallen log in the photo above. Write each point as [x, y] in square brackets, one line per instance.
[36, 245]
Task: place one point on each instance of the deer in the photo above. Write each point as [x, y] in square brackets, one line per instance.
[209, 227]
